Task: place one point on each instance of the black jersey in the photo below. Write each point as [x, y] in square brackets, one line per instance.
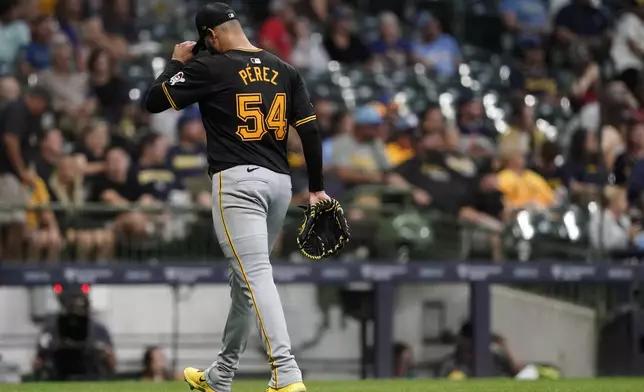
[247, 100]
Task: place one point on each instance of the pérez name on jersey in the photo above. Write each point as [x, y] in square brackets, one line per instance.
[256, 73]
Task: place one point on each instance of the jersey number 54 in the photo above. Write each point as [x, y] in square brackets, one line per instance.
[249, 109]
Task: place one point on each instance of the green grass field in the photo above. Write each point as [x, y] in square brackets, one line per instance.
[588, 385]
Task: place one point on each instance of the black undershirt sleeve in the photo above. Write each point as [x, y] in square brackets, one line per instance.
[303, 119]
[156, 100]
[312, 148]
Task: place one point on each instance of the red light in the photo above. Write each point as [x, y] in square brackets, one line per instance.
[85, 288]
[58, 289]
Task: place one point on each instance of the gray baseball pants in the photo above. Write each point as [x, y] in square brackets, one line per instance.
[249, 207]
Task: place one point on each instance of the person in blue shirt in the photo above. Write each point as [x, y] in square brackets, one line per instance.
[528, 19]
[390, 49]
[436, 50]
[38, 52]
[187, 159]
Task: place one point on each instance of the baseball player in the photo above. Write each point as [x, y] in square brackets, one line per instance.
[248, 99]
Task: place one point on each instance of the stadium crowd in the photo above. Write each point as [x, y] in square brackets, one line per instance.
[74, 134]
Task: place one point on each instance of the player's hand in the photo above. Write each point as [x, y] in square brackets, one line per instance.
[314, 197]
[183, 51]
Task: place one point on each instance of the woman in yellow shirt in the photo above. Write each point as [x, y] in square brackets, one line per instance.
[522, 188]
[43, 233]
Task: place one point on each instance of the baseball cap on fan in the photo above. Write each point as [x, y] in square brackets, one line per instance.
[208, 17]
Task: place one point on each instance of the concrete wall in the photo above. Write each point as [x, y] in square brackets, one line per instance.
[536, 329]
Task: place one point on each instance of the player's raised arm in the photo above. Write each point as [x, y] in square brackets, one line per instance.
[303, 119]
[182, 82]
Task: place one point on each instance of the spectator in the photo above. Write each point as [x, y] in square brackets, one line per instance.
[634, 152]
[360, 157]
[110, 89]
[459, 366]
[95, 37]
[43, 234]
[155, 367]
[20, 127]
[151, 171]
[581, 23]
[69, 89]
[523, 130]
[118, 19]
[51, 150]
[341, 43]
[9, 91]
[117, 188]
[317, 11]
[613, 230]
[446, 181]
[526, 19]
[188, 158]
[627, 49]
[585, 167]
[533, 76]
[390, 49]
[476, 138]
[323, 109]
[92, 149]
[342, 124]
[308, 51]
[401, 148]
[403, 361]
[432, 120]
[86, 235]
[274, 34]
[38, 52]
[14, 32]
[436, 50]
[585, 87]
[69, 14]
[636, 186]
[550, 166]
[619, 110]
[521, 187]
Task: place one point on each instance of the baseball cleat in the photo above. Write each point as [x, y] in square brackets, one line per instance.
[196, 380]
[295, 387]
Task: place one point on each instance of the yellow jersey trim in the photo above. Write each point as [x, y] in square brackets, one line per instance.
[167, 94]
[305, 120]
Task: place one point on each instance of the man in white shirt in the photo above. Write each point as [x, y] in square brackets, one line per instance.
[627, 50]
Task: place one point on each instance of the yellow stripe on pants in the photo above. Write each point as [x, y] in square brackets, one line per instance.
[271, 360]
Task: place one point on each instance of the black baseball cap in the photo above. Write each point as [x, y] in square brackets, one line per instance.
[208, 17]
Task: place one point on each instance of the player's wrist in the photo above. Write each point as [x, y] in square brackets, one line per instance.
[179, 60]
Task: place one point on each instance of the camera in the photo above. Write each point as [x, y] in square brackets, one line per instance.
[68, 347]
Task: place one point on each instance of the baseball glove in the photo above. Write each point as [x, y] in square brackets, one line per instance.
[324, 231]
